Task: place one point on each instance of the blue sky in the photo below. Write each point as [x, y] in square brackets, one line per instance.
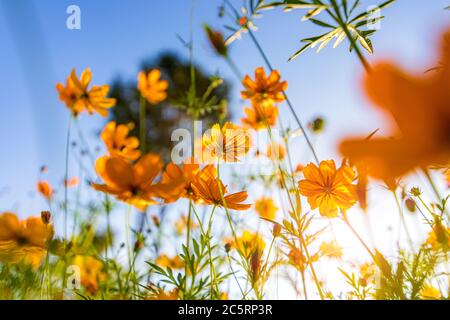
[38, 51]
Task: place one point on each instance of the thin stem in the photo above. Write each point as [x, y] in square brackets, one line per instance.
[358, 237]
[142, 124]
[403, 221]
[291, 108]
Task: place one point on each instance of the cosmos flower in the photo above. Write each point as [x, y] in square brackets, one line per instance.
[264, 91]
[119, 143]
[91, 272]
[249, 243]
[266, 208]
[420, 113]
[259, 117]
[151, 87]
[227, 143]
[23, 240]
[211, 191]
[328, 188]
[132, 183]
[44, 188]
[165, 261]
[78, 97]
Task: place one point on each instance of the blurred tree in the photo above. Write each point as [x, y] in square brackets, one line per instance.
[206, 101]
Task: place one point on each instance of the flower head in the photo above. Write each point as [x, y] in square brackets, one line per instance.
[227, 143]
[266, 208]
[23, 240]
[331, 249]
[151, 87]
[259, 117]
[210, 190]
[119, 143]
[264, 91]
[78, 97]
[91, 272]
[328, 188]
[249, 244]
[165, 261]
[419, 108]
[45, 189]
[132, 183]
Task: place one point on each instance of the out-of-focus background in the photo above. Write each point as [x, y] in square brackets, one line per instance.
[116, 37]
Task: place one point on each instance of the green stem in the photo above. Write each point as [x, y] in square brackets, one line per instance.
[291, 108]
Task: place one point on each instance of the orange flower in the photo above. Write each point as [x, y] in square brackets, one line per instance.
[151, 87]
[160, 294]
[91, 272]
[185, 175]
[297, 259]
[264, 91]
[132, 183]
[266, 208]
[227, 143]
[430, 292]
[45, 189]
[276, 151]
[249, 244]
[72, 182]
[211, 190]
[23, 240]
[327, 188]
[420, 107]
[78, 97]
[119, 143]
[173, 263]
[331, 249]
[259, 117]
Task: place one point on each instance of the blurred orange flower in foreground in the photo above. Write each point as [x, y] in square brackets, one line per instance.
[79, 98]
[45, 189]
[420, 108]
[119, 143]
[131, 183]
[264, 91]
[151, 87]
[90, 272]
[327, 188]
[23, 240]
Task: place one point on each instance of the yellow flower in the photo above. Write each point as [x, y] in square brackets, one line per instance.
[297, 259]
[79, 98]
[227, 143]
[259, 117]
[119, 143]
[430, 292]
[266, 208]
[210, 190]
[91, 272]
[264, 91]
[249, 244]
[23, 240]
[420, 113]
[327, 188]
[367, 273]
[439, 237]
[45, 189]
[331, 249]
[133, 183]
[276, 151]
[182, 223]
[151, 87]
[174, 263]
